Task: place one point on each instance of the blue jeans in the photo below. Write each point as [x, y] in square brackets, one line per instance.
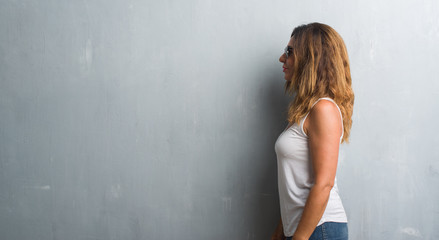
[329, 231]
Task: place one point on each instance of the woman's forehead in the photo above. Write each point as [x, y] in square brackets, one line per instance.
[290, 43]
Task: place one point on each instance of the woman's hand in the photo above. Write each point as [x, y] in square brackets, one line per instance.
[298, 238]
[277, 236]
[278, 233]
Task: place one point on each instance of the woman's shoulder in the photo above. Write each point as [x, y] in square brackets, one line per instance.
[324, 114]
[324, 110]
[324, 105]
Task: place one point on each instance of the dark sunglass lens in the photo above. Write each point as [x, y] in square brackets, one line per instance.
[287, 51]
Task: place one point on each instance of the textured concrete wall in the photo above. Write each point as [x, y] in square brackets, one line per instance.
[157, 119]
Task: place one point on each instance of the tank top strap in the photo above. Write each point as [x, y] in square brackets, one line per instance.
[329, 99]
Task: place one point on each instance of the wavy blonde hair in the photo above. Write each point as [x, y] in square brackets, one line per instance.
[321, 69]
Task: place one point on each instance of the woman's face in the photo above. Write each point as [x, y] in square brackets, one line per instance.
[288, 62]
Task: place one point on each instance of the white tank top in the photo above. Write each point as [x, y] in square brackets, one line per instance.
[296, 177]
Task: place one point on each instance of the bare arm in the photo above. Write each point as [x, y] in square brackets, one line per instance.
[324, 131]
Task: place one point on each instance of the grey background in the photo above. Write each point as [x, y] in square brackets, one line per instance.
[157, 119]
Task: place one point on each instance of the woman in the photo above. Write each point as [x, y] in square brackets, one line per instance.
[316, 68]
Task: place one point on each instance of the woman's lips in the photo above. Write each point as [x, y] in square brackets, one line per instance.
[284, 69]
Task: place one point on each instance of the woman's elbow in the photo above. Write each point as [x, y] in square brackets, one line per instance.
[324, 185]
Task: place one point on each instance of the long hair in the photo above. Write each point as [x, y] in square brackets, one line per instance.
[321, 69]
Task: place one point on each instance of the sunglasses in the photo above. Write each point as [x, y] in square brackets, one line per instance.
[288, 51]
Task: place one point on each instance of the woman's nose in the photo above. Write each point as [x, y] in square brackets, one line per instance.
[282, 58]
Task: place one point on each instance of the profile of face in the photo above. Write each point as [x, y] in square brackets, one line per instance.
[288, 61]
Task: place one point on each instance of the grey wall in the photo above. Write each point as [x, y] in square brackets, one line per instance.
[157, 120]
